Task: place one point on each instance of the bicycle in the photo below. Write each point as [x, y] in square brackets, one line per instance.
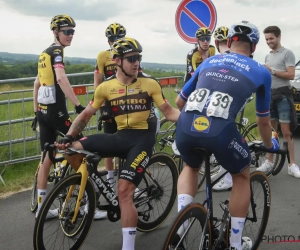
[213, 233]
[74, 196]
[61, 168]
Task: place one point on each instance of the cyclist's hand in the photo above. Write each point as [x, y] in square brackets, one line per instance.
[34, 123]
[79, 108]
[65, 142]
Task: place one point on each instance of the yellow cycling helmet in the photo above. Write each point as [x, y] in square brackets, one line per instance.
[61, 21]
[115, 30]
[221, 34]
[203, 31]
[125, 45]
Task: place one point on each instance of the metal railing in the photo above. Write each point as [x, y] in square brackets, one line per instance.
[18, 143]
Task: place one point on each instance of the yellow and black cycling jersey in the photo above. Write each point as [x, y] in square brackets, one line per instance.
[105, 64]
[132, 105]
[194, 59]
[50, 91]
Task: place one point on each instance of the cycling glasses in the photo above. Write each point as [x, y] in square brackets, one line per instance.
[113, 38]
[134, 58]
[204, 38]
[68, 32]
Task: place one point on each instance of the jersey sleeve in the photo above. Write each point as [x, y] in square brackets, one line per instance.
[290, 59]
[58, 57]
[212, 50]
[100, 96]
[100, 63]
[155, 91]
[263, 95]
[190, 86]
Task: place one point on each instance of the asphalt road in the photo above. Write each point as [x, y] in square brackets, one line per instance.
[17, 222]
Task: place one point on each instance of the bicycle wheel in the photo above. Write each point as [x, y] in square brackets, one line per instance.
[251, 133]
[188, 228]
[259, 209]
[165, 137]
[33, 200]
[61, 233]
[158, 190]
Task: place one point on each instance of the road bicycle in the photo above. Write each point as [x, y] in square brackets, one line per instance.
[196, 227]
[61, 168]
[74, 197]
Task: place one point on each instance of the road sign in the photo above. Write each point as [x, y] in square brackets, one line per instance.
[193, 14]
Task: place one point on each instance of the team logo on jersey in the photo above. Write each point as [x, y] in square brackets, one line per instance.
[121, 91]
[130, 90]
[58, 59]
[201, 124]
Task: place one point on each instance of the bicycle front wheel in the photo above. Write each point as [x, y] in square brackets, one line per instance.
[158, 190]
[61, 232]
[188, 230]
[33, 200]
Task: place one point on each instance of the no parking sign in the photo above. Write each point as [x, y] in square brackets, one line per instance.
[193, 14]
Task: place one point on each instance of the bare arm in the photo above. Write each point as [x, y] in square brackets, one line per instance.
[265, 130]
[288, 74]
[65, 85]
[169, 112]
[180, 102]
[98, 79]
[36, 87]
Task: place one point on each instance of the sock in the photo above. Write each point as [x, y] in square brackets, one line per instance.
[111, 176]
[228, 178]
[128, 238]
[41, 197]
[237, 226]
[183, 200]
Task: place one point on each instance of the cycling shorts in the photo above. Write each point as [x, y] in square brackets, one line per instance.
[134, 145]
[219, 136]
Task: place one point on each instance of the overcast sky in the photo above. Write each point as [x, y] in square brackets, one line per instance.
[24, 25]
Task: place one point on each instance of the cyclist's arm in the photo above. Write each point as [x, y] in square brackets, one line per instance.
[65, 85]
[98, 79]
[36, 87]
[169, 112]
[189, 67]
[99, 70]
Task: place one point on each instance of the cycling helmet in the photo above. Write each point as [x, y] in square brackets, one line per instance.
[61, 21]
[115, 29]
[125, 45]
[244, 28]
[202, 32]
[221, 34]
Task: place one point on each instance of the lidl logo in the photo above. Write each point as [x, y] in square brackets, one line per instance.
[201, 123]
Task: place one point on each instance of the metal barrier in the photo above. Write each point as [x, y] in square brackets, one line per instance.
[18, 143]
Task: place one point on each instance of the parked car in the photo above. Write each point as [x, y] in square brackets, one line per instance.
[296, 84]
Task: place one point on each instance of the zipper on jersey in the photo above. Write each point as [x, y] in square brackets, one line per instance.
[126, 106]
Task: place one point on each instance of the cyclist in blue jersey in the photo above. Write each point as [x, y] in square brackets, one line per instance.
[210, 102]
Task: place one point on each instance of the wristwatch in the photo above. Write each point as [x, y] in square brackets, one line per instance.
[273, 72]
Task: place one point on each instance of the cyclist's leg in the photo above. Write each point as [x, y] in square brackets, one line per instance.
[131, 175]
[110, 127]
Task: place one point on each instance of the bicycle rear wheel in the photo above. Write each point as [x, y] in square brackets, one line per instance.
[259, 209]
[188, 228]
[61, 233]
[157, 192]
[33, 200]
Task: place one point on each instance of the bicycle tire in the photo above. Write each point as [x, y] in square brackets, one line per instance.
[257, 158]
[164, 188]
[193, 210]
[264, 188]
[72, 238]
[33, 200]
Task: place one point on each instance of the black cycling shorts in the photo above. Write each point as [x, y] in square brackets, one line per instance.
[110, 127]
[134, 145]
[50, 120]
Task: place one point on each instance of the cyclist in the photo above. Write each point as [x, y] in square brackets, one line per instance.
[105, 68]
[197, 55]
[224, 83]
[50, 88]
[131, 95]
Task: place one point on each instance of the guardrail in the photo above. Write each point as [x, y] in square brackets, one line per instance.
[18, 143]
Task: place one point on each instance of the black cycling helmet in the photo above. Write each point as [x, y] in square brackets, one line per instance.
[61, 21]
[203, 31]
[125, 45]
[115, 29]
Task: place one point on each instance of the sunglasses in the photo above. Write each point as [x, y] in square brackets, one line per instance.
[68, 32]
[113, 38]
[133, 59]
[204, 38]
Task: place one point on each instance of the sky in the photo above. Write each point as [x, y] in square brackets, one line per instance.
[25, 25]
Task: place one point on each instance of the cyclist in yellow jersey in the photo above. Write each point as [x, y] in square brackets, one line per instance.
[105, 68]
[50, 88]
[132, 95]
[197, 55]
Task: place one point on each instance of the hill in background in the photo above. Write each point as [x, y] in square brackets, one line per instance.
[13, 58]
